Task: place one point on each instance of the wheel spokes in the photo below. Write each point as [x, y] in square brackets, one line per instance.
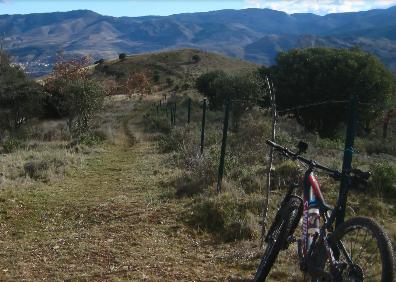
[364, 254]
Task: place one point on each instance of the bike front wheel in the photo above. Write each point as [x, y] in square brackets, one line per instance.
[284, 225]
[363, 252]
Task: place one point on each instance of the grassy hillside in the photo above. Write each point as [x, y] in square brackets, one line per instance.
[176, 64]
[138, 201]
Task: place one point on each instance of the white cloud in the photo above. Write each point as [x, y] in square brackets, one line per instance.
[253, 4]
[320, 7]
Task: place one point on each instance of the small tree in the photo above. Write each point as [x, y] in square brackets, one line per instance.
[169, 82]
[83, 98]
[205, 84]
[156, 76]
[137, 83]
[101, 61]
[122, 56]
[20, 98]
[243, 89]
[74, 95]
[196, 58]
[315, 75]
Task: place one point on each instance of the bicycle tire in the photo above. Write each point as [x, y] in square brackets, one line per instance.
[284, 227]
[382, 241]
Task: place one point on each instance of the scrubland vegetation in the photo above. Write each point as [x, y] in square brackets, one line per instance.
[96, 187]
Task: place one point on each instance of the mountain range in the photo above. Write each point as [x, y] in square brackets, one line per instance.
[255, 35]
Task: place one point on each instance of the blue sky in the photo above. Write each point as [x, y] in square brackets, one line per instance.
[167, 7]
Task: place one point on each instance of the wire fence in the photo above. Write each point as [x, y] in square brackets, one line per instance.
[169, 106]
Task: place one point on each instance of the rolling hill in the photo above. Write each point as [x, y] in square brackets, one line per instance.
[175, 64]
[256, 35]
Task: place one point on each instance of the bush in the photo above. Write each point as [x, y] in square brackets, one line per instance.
[201, 171]
[101, 61]
[196, 58]
[251, 182]
[177, 138]
[36, 169]
[244, 91]
[189, 185]
[92, 139]
[380, 147]
[41, 169]
[314, 75]
[74, 94]
[157, 124]
[11, 144]
[169, 82]
[205, 85]
[287, 171]
[383, 180]
[156, 76]
[21, 99]
[227, 216]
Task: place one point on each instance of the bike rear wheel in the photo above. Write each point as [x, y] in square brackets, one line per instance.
[284, 225]
[364, 252]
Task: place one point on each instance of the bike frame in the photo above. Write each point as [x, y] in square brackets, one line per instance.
[313, 194]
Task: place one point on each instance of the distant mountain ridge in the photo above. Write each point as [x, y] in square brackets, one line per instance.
[256, 35]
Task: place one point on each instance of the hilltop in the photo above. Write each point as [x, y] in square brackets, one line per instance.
[256, 35]
[174, 64]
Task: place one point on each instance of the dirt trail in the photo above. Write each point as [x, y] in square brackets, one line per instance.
[108, 221]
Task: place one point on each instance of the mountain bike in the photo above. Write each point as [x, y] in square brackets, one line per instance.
[356, 250]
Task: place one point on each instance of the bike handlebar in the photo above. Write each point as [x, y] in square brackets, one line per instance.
[313, 164]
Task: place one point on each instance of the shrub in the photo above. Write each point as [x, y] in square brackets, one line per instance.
[286, 171]
[36, 169]
[383, 180]
[177, 138]
[169, 82]
[41, 169]
[380, 147]
[196, 58]
[189, 185]
[10, 145]
[92, 139]
[244, 91]
[201, 171]
[156, 76]
[205, 85]
[157, 124]
[21, 99]
[252, 184]
[74, 95]
[316, 75]
[101, 61]
[227, 216]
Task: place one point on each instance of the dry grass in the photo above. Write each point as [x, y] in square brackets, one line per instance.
[110, 216]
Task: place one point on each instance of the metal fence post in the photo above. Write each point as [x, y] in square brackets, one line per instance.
[189, 111]
[347, 162]
[171, 114]
[174, 113]
[203, 125]
[223, 144]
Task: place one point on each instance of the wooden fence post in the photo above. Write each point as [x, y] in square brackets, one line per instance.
[271, 91]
